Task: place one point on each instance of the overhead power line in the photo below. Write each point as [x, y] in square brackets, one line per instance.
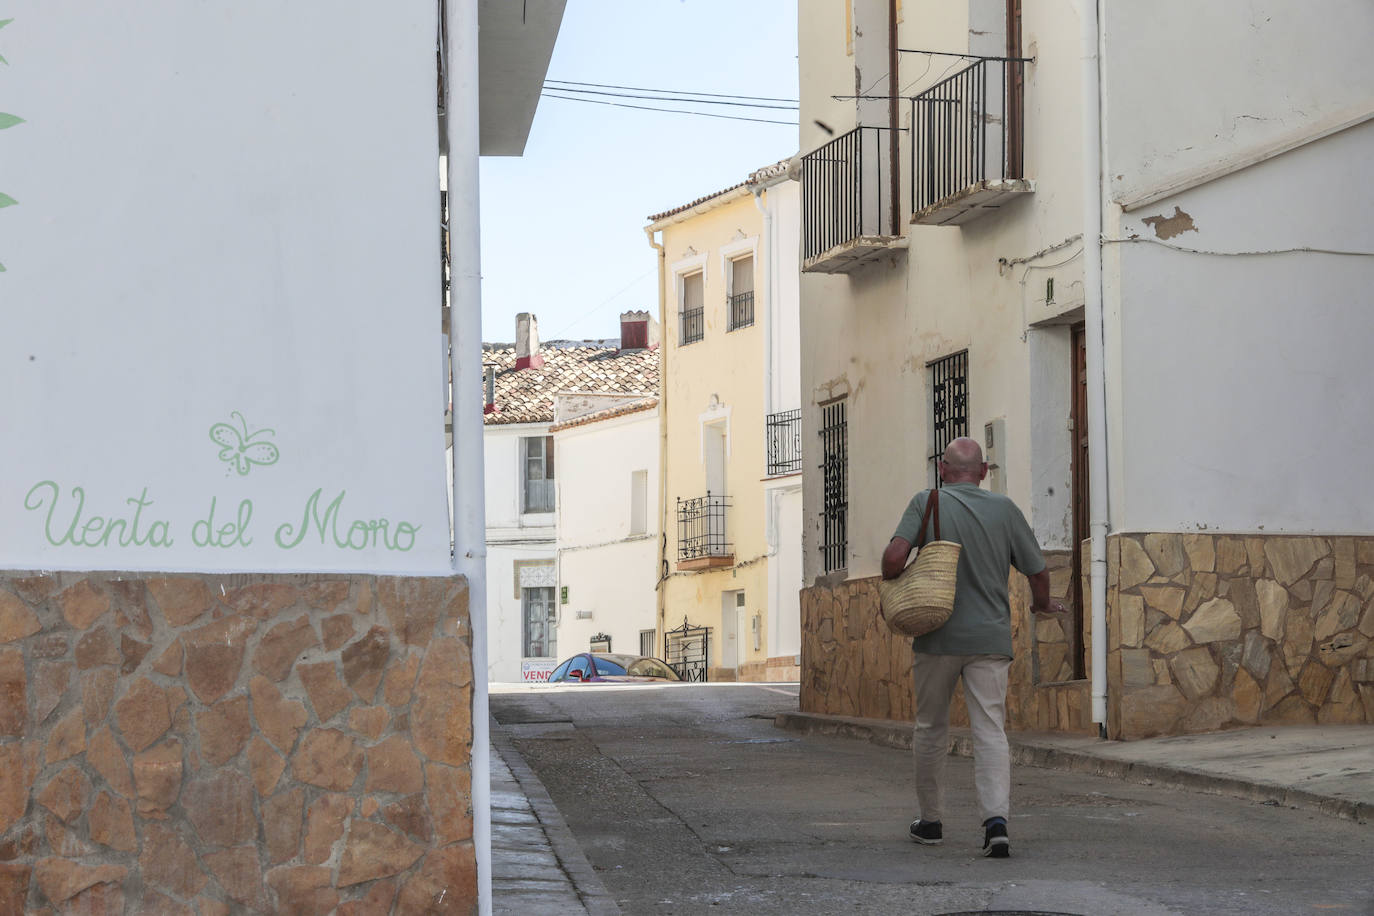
[670, 98]
[701, 114]
[714, 95]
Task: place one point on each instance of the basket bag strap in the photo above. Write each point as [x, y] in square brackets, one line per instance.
[932, 504]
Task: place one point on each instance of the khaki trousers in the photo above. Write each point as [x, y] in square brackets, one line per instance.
[985, 694]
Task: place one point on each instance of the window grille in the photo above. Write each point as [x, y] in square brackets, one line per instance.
[834, 435]
[646, 642]
[741, 293]
[693, 310]
[948, 406]
[541, 635]
[701, 528]
[783, 443]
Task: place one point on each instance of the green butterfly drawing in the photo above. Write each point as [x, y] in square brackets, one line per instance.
[241, 450]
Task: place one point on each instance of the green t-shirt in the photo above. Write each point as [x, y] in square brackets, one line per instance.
[995, 536]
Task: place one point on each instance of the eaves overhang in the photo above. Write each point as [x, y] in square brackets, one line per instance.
[514, 48]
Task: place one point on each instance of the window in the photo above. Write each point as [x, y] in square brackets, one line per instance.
[834, 435]
[948, 406]
[693, 309]
[639, 502]
[741, 292]
[538, 473]
[646, 642]
[540, 615]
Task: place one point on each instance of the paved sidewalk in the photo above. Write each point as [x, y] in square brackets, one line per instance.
[536, 865]
[1326, 768]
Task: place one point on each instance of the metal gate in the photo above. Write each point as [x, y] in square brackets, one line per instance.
[687, 650]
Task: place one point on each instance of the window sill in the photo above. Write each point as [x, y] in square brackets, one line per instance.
[705, 563]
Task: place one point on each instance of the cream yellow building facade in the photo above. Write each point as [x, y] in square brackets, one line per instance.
[730, 502]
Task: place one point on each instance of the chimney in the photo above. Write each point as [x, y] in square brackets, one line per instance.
[638, 331]
[488, 388]
[527, 342]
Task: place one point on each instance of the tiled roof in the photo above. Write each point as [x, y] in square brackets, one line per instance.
[608, 413]
[526, 395]
[653, 218]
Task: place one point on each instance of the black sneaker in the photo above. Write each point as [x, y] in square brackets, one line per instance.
[927, 833]
[996, 844]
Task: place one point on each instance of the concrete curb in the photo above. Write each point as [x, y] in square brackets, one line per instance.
[593, 894]
[1047, 751]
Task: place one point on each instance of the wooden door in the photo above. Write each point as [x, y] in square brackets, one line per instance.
[1079, 478]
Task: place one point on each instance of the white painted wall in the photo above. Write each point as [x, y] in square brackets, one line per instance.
[609, 571]
[224, 231]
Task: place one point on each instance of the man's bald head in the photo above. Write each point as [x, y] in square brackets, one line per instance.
[963, 462]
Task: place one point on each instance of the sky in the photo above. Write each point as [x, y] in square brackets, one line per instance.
[562, 226]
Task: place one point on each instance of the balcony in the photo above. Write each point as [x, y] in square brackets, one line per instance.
[967, 144]
[847, 202]
[783, 443]
[741, 310]
[702, 541]
[693, 326]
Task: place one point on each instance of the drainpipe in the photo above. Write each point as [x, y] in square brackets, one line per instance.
[1098, 508]
[768, 255]
[662, 430]
[894, 169]
[463, 129]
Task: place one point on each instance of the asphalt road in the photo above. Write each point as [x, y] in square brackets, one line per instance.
[685, 799]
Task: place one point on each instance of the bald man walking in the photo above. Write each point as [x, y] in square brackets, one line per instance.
[974, 645]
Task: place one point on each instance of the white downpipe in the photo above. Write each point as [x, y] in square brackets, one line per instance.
[769, 259]
[465, 298]
[1098, 509]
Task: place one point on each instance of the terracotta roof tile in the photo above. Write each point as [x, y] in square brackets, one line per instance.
[607, 413]
[526, 395]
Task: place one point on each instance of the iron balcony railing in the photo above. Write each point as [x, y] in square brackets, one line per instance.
[693, 325]
[845, 191]
[741, 310]
[783, 443]
[967, 128]
[701, 527]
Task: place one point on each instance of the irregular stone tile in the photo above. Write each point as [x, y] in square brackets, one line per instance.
[1273, 606]
[17, 621]
[1136, 670]
[372, 851]
[130, 602]
[1201, 552]
[1194, 672]
[1341, 613]
[325, 826]
[220, 808]
[1242, 595]
[412, 606]
[370, 721]
[131, 653]
[446, 883]
[1314, 681]
[1215, 620]
[1167, 599]
[13, 692]
[328, 758]
[305, 890]
[97, 648]
[97, 693]
[1167, 638]
[155, 904]
[1165, 550]
[209, 907]
[450, 802]
[157, 778]
[283, 822]
[328, 696]
[1231, 556]
[1136, 565]
[238, 873]
[1249, 697]
[400, 681]
[338, 630]
[441, 715]
[393, 767]
[279, 719]
[1204, 587]
[65, 795]
[454, 607]
[1367, 620]
[1301, 590]
[143, 714]
[265, 765]
[410, 817]
[1343, 561]
[65, 841]
[1291, 558]
[376, 902]
[224, 729]
[181, 599]
[97, 900]
[1297, 643]
[14, 888]
[1364, 551]
[214, 655]
[1255, 655]
[51, 645]
[1150, 711]
[364, 663]
[1293, 710]
[326, 596]
[106, 758]
[167, 861]
[282, 645]
[46, 689]
[262, 600]
[82, 604]
[1343, 706]
[1209, 715]
[169, 662]
[112, 823]
[62, 879]
[369, 807]
[67, 738]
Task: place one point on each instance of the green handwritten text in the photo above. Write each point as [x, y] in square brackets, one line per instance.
[359, 535]
[94, 530]
[204, 533]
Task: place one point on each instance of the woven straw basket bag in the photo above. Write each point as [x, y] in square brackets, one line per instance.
[921, 598]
